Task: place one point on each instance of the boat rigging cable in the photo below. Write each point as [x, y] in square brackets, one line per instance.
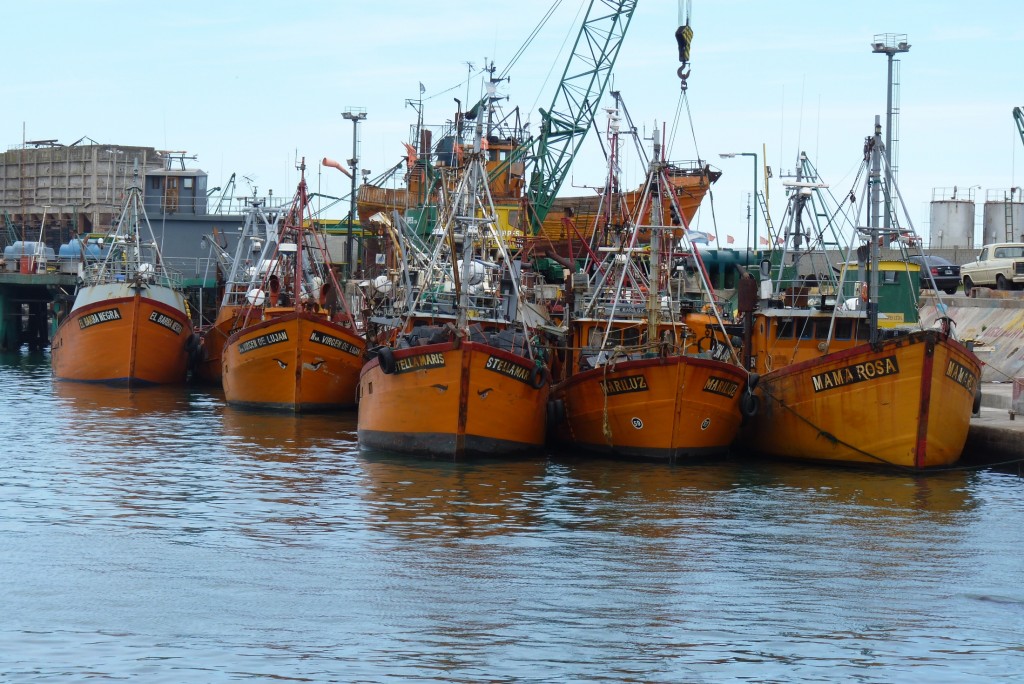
[684, 37]
[529, 39]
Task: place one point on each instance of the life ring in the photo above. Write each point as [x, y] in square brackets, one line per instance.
[750, 404]
[712, 343]
[538, 376]
[386, 359]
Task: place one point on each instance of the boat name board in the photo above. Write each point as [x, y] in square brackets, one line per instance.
[631, 383]
[726, 388]
[858, 372]
[507, 368]
[98, 317]
[270, 338]
[419, 362]
[166, 321]
[333, 342]
[962, 376]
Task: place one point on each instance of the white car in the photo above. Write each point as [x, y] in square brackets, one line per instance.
[999, 265]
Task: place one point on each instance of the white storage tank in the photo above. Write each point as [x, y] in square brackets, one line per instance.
[1003, 208]
[951, 222]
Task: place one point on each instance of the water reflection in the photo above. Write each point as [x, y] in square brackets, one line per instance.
[268, 546]
[425, 498]
[865, 493]
[96, 401]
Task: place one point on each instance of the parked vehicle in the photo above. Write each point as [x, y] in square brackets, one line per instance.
[999, 265]
[945, 273]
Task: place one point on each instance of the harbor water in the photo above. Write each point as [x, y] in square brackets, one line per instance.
[159, 536]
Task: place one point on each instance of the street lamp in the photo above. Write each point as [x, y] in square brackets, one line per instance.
[355, 115]
[730, 155]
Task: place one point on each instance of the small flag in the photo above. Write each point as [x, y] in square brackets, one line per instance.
[711, 238]
[423, 88]
[778, 240]
[729, 239]
[763, 241]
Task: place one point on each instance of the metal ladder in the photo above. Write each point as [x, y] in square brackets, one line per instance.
[767, 219]
[1008, 206]
[11, 232]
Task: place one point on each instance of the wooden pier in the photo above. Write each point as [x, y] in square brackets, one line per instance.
[31, 305]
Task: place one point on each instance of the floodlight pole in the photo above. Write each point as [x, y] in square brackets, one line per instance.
[355, 115]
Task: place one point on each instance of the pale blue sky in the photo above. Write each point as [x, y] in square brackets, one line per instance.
[247, 86]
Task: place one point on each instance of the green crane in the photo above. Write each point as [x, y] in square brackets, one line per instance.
[566, 122]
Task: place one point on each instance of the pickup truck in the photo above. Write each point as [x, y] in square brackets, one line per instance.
[999, 265]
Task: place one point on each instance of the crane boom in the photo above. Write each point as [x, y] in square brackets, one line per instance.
[1018, 116]
[565, 124]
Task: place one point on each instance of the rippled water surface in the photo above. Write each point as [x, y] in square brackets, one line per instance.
[159, 536]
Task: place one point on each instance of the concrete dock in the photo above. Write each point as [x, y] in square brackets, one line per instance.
[996, 436]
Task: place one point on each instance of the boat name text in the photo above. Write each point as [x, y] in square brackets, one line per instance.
[275, 337]
[96, 317]
[961, 376]
[727, 388]
[858, 372]
[166, 321]
[512, 370]
[334, 342]
[631, 383]
[419, 362]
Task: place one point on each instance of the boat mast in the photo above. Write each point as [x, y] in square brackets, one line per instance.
[298, 214]
[466, 211]
[875, 147]
[657, 221]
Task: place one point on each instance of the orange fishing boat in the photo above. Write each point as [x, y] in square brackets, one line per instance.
[460, 374]
[835, 384]
[637, 383]
[905, 401]
[238, 270]
[130, 322]
[293, 343]
[572, 221]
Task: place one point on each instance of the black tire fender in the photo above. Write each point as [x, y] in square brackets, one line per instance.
[194, 348]
[386, 359]
[750, 404]
[556, 412]
[976, 407]
[538, 376]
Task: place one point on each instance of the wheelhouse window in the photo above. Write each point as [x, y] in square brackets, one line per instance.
[784, 329]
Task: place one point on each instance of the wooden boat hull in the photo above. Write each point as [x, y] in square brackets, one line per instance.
[131, 337]
[296, 361]
[667, 409]
[907, 402]
[689, 188]
[449, 400]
